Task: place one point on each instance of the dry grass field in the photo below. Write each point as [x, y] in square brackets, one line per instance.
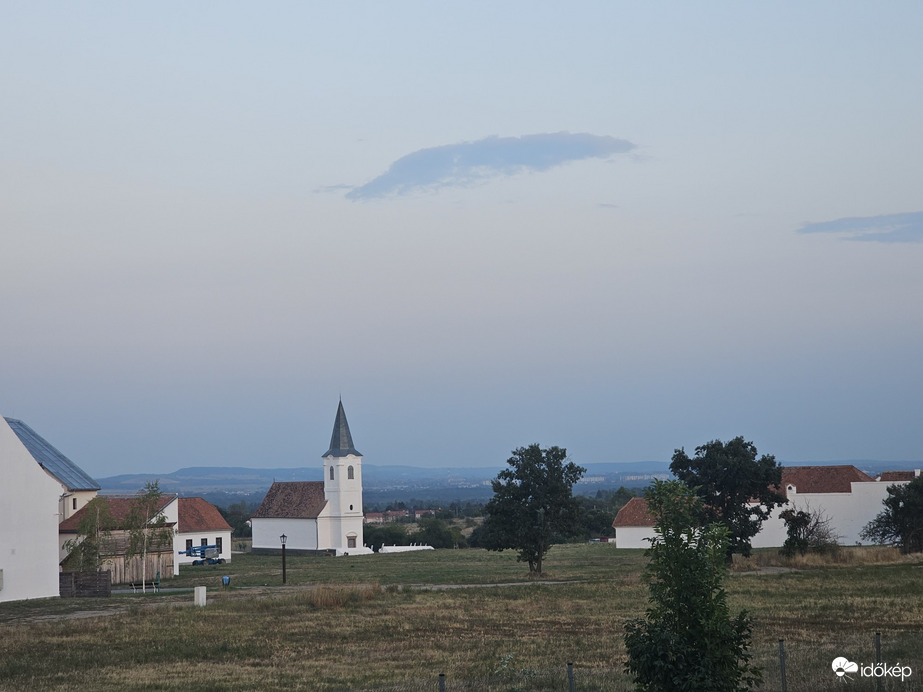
[394, 622]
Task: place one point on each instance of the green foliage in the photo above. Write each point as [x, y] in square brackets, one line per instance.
[807, 532]
[598, 512]
[237, 515]
[385, 534]
[85, 550]
[727, 477]
[901, 521]
[438, 534]
[533, 505]
[688, 641]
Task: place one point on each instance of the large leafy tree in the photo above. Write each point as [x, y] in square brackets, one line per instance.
[901, 521]
[737, 487]
[533, 504]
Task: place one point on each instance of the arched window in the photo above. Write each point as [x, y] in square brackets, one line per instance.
[349, 473]
[331, 473]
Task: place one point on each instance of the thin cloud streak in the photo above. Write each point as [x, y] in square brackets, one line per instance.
[887, 228]
[466, 163]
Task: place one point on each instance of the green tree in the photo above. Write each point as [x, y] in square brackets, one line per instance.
[85, 551]
[439, 534]
[901, 521]
[533, 504]
[688, 640]
[147, 526]
[728, 477]
[807, 530]
[385, 534]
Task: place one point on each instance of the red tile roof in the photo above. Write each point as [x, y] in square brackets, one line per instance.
[119, 508]
[634, 513]
[822, 479]
[197, 515]
[892, 476]
[293, 500]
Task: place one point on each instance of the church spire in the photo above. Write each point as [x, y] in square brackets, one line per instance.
[341, 442]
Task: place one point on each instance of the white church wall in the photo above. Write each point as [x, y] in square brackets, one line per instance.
[301, 534]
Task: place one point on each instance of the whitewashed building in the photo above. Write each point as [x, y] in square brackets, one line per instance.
[200, 523]
[317, 516]
[33, 498]
[846, 496]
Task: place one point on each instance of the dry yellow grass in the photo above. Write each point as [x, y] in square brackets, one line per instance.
[347, 633]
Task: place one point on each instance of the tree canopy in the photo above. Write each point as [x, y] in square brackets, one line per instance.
[533, 504]
[901, 521]
[736, 488]
[688, 640]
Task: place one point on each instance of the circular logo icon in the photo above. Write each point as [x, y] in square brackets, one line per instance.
[842, 665]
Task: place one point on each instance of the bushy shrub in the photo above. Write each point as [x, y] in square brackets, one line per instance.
[688, 640]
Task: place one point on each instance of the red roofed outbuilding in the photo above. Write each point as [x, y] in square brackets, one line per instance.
[200, 523]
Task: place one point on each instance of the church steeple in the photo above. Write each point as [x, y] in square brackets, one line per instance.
[341, 442]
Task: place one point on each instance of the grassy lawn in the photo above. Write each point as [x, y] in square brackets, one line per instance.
[360, 623]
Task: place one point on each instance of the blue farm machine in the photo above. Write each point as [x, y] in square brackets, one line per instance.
[204, 555]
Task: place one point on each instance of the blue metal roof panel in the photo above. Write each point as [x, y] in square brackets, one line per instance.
[51, 459]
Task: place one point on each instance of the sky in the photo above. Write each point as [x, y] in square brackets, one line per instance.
[620, 228]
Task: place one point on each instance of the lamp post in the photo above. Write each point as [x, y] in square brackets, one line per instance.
[283, 538]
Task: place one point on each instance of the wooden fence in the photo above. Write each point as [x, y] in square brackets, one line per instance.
[85, 584]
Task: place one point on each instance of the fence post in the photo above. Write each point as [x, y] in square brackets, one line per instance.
[782, 664]
[570, 677]
[878, 659]
[441, 682]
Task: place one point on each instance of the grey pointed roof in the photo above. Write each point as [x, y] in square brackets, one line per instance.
[341, 442]
[50, 459]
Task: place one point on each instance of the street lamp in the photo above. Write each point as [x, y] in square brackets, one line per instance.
[283, 538]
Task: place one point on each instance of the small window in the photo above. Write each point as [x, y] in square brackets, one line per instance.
[218, 543]
[75, 503]
[331, 473]
[350, 474]
[188, 544]
[350, 508]
[351, 541]
[204, 541]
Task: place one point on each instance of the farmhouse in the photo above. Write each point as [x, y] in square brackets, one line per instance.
[844, 494]
[317, 516]
[200, 523]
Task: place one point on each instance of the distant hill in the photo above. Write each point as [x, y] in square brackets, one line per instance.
[227, 484]
[234, 479]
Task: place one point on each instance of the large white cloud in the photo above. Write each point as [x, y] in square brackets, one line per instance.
[468, 162]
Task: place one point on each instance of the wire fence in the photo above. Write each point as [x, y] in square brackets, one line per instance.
[798, 667]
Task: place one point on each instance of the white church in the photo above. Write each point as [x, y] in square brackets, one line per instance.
[317, 516]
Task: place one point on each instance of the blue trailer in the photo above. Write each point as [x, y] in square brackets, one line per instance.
[204, 555]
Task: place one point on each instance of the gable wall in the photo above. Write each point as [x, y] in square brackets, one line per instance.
[28, 523]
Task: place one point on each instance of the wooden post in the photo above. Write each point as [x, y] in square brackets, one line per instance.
[782, 664]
